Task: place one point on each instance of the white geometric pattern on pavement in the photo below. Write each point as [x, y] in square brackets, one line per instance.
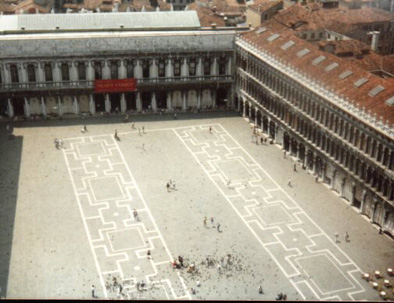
[307, 256]
[107, 195]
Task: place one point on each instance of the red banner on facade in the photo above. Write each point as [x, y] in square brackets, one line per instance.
[112, 86]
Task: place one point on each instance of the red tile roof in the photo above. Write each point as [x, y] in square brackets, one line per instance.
[329, 79]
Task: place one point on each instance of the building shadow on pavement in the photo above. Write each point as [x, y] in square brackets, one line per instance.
[10, 160]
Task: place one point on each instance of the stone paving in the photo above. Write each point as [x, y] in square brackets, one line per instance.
[73, 223]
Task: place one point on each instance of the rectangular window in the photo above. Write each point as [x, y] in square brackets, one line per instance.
[31, 73]
[98, 71]
[162, 69]
[145, 69]
[65, 72]
[130, 69]
[192, 67]
[114, 70]
[48, 72]
[14, 73]
[207, 66]
[81, 71]
[177, 68]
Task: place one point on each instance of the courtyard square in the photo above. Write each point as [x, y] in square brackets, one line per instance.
[67, 215]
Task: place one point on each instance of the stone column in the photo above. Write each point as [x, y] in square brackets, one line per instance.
[107, 103]
[213, 96]
[89, 71]
[10, 109]
[123, 106]
[43, 107]
[122, 72]
[22, 73]
[153, 69]
[76, 107]
[153, 102]
[199, 71]
[214, 67]
[185, 68]
[60, 106]
[57, 77]
[139, 103]
[106, 70]
[7, 76]
[169, 101]
[184, 95]
[256, 109]
[27, 108]
[92, 105]
[138, 70]
[244, 108]
[169, 69]
[40, 73]
[199, 93]
[305, 158]
[228, 66]
[73, 71]
[363, 195]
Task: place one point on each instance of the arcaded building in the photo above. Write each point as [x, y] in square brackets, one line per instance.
[50, 64]
[332, 116]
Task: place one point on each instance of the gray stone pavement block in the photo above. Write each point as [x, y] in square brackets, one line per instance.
[51, 256]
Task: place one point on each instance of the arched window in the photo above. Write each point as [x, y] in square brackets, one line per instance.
[14, 73]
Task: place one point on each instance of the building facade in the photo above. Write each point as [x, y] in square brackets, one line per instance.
[294, 96]
[55, 74]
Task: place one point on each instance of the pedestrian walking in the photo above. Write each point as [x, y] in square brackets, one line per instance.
[336, 235]
[120, 289]
[198, 283]
[126, 119]
[317, 179]
[135, 214]
[148, 253]
[228, 183]
[168, 187]
[180, 260]
[143, 129]
[116, 135]
[193, 291]
[212, 222]
[173, 185]
[284, 154]
[218, 227]
[261, 290]
[205, 221]
[347, 237]
[133, 125]
[284, 298]
[295, 167]
[261, 140]
[289, 183]
[210, 129]
[93, 296]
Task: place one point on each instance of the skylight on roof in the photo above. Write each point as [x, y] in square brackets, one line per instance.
[302, 53]
[345, 74]
[318, 60]
[273, 37]
[331, 67]
[360, 82]
[376, 90]
[390, 101]
[261, 30]
[287, 45]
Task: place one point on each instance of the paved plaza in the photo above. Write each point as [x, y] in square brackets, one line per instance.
[67, 215]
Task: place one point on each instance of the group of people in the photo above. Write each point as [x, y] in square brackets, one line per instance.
[212, 223]
[170, 185]
[178, 262]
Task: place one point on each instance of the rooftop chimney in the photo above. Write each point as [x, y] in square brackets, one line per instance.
[375, 40]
